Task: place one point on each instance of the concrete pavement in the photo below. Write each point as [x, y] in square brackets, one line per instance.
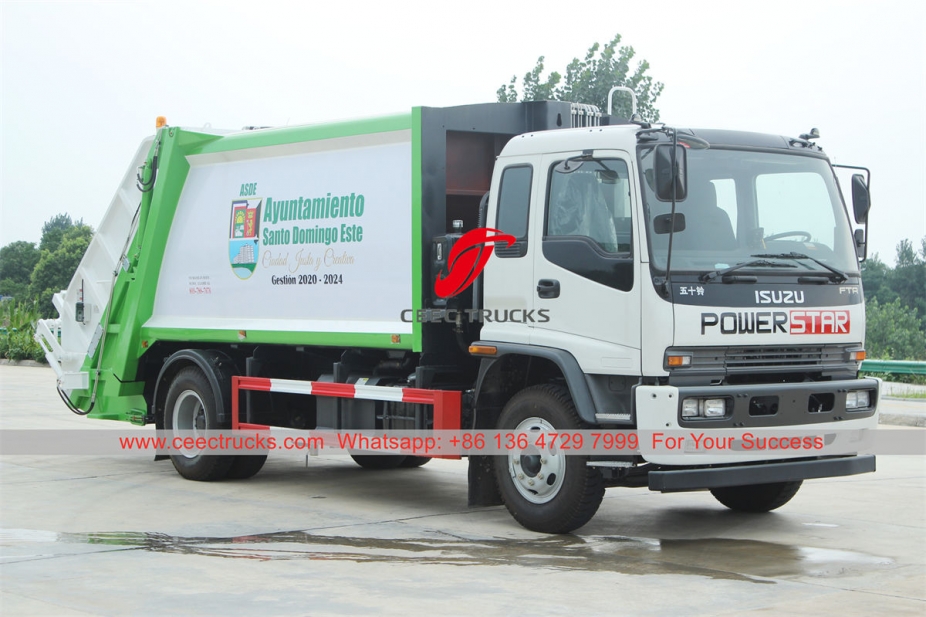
[124, 535]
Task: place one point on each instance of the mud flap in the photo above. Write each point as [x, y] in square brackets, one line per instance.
[483, 489]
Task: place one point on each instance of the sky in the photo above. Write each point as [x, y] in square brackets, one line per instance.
[81, 83]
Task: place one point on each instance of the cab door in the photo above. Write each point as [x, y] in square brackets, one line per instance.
[509, 276]
[586, 297]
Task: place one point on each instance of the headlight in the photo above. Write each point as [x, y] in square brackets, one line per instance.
[704, 408]
[858, 399]
[690, 408]
[714, 408]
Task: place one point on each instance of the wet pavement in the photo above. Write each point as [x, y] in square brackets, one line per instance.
[123, 535]
[755, 561]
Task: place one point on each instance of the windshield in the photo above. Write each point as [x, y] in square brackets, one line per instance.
[743, 204]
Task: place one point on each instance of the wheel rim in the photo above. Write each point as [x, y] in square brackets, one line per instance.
[189, 418]
[537, 473]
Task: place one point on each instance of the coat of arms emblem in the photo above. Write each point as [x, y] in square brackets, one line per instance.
[244, 238]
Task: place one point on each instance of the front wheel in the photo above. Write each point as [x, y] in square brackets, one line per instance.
[544, 487]
[415, 461]
[757, 497]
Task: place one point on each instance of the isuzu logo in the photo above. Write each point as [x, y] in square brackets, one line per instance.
[765, 296]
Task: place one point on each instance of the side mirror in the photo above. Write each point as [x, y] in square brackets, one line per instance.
[860, 241]
[671, 181]
[665, 223]
[861, 199]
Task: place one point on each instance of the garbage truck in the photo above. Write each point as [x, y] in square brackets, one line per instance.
[537, 267]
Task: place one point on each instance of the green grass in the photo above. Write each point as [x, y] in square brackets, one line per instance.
[916, 380]
[910, 395]
[17, 327]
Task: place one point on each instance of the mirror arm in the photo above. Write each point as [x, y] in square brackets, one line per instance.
[865, 248]
[865, 169]
[666, 286]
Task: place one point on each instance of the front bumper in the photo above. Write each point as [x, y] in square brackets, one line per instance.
[675, 480]
[658, 412]
[812, 402]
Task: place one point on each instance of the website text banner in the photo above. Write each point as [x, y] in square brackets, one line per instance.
[735, 444]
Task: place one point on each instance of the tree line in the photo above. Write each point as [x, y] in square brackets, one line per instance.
[30, 275]
[896, 304]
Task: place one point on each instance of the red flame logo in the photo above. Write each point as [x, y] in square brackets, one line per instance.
[468, 258]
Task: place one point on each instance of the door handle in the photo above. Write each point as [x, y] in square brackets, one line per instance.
[548, 288]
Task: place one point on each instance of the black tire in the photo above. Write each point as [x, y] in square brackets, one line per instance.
[246, 466]
[756, 497]
[378, 461]
[191, 402]
[415, 461]
[564, 492]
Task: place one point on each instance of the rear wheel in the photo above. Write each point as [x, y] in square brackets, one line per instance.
[189, 411]
[756, 497]
[377, 461]
[546, 489]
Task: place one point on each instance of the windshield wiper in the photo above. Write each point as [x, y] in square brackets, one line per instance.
[710, 276]
[837, 275]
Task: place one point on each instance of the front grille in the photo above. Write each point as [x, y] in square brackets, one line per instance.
[736, 357]
[732, 360]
